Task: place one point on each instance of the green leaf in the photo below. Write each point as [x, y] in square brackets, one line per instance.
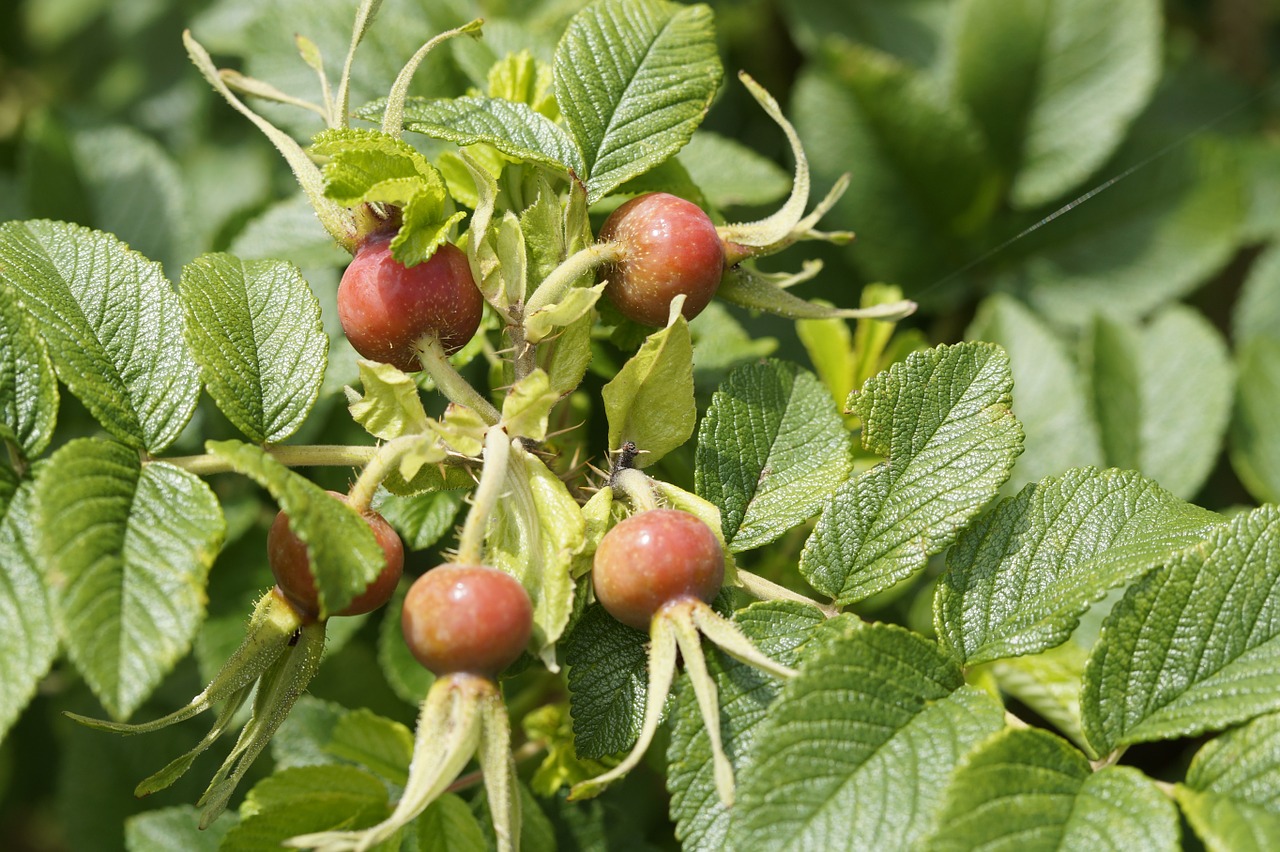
[779, 629]
[1162, 396]
[730, 174]
[527, 406]
[771, 448]
[1257, 311]
[914, 30]
[449, 825]
[375, 742]
[650, 401]
[1055, 85]
[254, 328]
[608, 677]
[533, 534]
[923, 175]
[345, 557]
[513, 128]
[942, 421]
[859, 745]
[126, 549]
[1019, 579]
[27, 629]
[1150, 238]
[306, 799]
[112, 323]
[1255, 443]
[1048, 391]
[1049, 683]
[1026, 789]
[28, 384]
[405, 675]
[174, 828]
[421, 520]
[633, 81]
[391, 405]
[304, 736]
[1191, 647]
[1231, 795]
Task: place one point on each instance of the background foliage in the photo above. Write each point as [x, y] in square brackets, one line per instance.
[1142, 329]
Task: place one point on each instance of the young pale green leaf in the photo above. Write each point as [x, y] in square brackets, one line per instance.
[374, 742]
[113, 325]
[126, 548]
[345, 557]
[1026, 789]
[779, 629]
[1255, 443]
[28, 383]
[1055, 85]
[527, 406]
[576, 304]
[449, 825]
[633, 80]
[771, 449]
[304, 799]
[1018, 580]
[525, 79]
[1191, 647]
[532, 535]
[1162, 395]
[858, 747]
[650, 401]
[174, 828]
[941, 420]
[1049, 683]
[921, 171]
[608, 678]
[1048, 391]
[27, 628]
[254, 328]
[513, 128]
[1231, 795]
[407, 677]
[391, 405]
[829, 344]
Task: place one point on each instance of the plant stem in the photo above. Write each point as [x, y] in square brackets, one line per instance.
[377, 469]
[527, 751]
[450, 382]
[555, 285]
[523, 357]
[497, 449]
[314, 455]
[767, 590]
[637, 487]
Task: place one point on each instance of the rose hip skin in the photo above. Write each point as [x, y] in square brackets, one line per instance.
[652, 559]
[386, 307]
[291, 565]
[467, 618]
[669, 247]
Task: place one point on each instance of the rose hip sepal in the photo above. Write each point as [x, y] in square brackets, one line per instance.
[669, 247]
[278, 657]
[668, 565]
[466, 623]
[387, 308]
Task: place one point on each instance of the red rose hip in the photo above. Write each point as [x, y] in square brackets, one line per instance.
[653, 558]
[291, 566]
[386, 307]
[467, 618]
[669, 247]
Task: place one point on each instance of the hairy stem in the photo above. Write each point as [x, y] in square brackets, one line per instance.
[637, 487]
[377, 469]
[497, 449]
[555, 285]
[314, 455]
[450, 382]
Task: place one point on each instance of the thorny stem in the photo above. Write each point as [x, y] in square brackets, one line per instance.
[497, 448]
[555, 285]
[767, 590]
[450, 381]
[314, 455]
[523, 354]
[636, 486]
